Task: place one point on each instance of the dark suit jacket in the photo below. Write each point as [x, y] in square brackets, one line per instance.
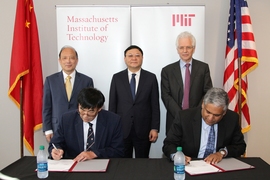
[186, 132]
[55, 101]
[172, 88]
[108, 135]
[144, 112]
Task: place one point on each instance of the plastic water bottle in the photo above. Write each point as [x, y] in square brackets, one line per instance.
[42, 163]
[179, 164]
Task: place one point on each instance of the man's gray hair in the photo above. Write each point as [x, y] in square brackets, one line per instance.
[218, 97]
[186, 34]
[69, 47]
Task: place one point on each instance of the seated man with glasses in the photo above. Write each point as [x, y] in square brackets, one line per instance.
[89, 132]
[210, 132]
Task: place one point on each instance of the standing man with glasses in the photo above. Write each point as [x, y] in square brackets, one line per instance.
[184, 82]
[88, 132]
[61, 90]
[134, 96]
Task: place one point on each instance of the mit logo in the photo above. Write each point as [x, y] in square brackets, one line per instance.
[182, 19]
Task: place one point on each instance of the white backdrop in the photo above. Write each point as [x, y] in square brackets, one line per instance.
[153, 28]
[108, 35]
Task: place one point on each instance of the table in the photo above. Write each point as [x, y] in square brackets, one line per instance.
[136, 169]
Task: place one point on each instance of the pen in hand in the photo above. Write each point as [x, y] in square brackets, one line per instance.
[56, 149]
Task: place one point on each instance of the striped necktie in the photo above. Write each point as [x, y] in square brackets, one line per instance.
[90, 138]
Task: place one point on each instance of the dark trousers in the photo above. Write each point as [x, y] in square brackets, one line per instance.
[141, 146]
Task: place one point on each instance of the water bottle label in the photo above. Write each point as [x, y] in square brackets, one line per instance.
[42, 167]
[179, 169]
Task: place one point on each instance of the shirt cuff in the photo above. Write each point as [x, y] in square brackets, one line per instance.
[48, 132]
[224, 149]
[172, 156]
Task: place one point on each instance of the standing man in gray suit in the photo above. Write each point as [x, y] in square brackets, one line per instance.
[173, 79]
[137, 104]
[56, 99]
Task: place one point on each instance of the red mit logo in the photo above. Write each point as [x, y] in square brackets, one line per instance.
[182, 19]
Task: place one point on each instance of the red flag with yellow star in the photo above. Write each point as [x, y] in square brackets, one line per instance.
[26, 71]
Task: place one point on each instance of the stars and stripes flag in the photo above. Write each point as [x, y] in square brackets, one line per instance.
[26, 71]
[241, 58]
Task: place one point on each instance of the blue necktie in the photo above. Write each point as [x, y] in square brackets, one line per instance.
[90, 138]
[133, 85]
[210, 147]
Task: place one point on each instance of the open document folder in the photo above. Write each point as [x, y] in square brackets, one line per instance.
[197, 167]
[68, 165]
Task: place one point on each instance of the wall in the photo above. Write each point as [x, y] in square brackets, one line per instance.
[216, 14]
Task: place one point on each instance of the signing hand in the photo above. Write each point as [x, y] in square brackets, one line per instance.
[57, 154]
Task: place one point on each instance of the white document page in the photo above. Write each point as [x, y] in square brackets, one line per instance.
[93, 165]
[200, 167]
[232, 164]
[60, 165]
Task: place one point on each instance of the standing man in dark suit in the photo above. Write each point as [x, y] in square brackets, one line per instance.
[76, 126]
[173, 79]
[55, 97]
[192, 128]
[140, 114]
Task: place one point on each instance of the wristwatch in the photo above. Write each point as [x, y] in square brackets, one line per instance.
[222, 152]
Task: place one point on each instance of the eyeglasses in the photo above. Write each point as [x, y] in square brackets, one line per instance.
[188, 48]
[83, 111]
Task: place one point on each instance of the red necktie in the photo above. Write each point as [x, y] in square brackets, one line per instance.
[186, 88]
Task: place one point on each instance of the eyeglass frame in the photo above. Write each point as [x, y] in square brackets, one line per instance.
[188, 48]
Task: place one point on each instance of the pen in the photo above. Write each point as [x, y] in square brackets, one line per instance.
[54, 146]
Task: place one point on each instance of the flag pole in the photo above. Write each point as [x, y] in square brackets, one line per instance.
[240, 91]
[21, 115]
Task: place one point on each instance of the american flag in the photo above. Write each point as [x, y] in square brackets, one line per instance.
[240, 46]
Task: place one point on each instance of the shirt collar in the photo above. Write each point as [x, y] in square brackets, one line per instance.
[183, 63]
[137, 73]
[72, 75]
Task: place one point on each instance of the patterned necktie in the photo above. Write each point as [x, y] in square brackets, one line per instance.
[90, 138]
[210, 147]
[133, 85]
[68, 87]
[186, 88]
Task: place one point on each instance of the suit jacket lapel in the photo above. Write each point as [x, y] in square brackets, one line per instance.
[197, 124]
[100, 128]
[79, 132]
[76, 84]
[142, 81]
[195, 69]
[125, 80]
[221, 133]
[61, 81]
[177, 73]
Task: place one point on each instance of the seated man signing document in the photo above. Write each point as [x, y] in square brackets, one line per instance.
[211, 131]
[89, 132]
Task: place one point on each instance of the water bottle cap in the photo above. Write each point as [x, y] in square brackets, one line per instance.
[179, 148]
[41, 147]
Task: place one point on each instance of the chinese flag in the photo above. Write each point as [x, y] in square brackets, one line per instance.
[26, 65]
